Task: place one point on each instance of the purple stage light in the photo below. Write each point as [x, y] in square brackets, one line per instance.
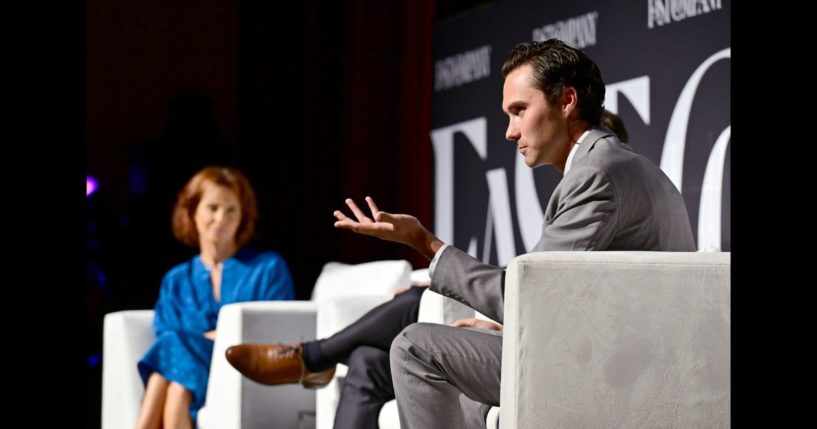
[90, 185]
[93, 360]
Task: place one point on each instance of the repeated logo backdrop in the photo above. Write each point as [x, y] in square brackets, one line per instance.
[667, 67]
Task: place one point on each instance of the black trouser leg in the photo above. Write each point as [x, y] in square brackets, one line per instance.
[377, 329]
[366, 388]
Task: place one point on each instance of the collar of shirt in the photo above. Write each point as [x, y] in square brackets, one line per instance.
[574, 148]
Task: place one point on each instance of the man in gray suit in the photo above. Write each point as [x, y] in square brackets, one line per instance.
[610, 198]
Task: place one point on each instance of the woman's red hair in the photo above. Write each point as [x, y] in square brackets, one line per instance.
[184, 225]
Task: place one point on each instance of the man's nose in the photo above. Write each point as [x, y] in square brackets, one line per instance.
[512, 133]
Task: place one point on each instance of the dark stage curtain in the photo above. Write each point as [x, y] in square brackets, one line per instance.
[335, 102]
[315, 101]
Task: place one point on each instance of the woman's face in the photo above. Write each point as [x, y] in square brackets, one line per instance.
[218, 214]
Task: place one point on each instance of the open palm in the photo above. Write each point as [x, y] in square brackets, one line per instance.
[401, 228]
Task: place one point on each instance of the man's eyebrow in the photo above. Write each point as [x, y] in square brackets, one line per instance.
[515, 105]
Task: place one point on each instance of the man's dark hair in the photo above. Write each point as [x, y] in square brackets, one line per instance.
[615, 124]
[557, 66]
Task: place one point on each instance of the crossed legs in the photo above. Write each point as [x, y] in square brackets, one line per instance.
[377, 329]
[364, 347]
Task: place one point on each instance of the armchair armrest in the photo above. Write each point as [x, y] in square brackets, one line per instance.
[126, 337]
[234, 401]
[641, 339]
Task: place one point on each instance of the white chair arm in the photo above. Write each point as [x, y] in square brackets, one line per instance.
[234, 401]
[127, 336]
[641, 339]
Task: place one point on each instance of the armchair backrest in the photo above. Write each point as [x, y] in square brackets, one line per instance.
[641, 339]
[369, 278]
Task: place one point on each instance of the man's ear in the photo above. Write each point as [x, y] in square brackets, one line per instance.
[569, 101]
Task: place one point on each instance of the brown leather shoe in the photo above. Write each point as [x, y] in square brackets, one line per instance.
[274, 364]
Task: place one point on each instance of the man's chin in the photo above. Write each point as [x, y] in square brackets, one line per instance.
[533, 163]
[530, 162]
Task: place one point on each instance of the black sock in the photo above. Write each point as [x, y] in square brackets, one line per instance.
[313, 358]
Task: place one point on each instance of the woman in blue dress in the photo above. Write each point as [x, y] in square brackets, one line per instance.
[216, 211]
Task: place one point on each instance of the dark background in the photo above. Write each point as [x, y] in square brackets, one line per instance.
[53, 324]
[315, 102]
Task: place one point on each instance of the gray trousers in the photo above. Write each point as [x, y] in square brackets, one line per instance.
[445, 377]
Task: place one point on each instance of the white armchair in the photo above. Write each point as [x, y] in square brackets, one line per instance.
[624, 339]
[232, 400]
[629, 339]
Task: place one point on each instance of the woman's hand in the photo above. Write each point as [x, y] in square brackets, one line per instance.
[211, 334]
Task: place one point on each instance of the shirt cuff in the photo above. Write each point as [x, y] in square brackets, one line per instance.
[434, 261]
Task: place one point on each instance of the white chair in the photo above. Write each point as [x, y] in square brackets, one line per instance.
[232, 400]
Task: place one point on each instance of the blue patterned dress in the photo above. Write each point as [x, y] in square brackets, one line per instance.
[186, 309]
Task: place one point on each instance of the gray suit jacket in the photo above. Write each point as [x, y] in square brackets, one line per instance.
[610, 199]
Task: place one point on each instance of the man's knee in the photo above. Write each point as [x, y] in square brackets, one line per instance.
[369, 372]
[363, 357]
[411, 342]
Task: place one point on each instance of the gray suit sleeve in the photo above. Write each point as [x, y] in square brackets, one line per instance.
[464, 278]
[581, 215]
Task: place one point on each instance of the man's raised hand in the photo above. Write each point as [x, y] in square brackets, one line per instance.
[401, 228]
